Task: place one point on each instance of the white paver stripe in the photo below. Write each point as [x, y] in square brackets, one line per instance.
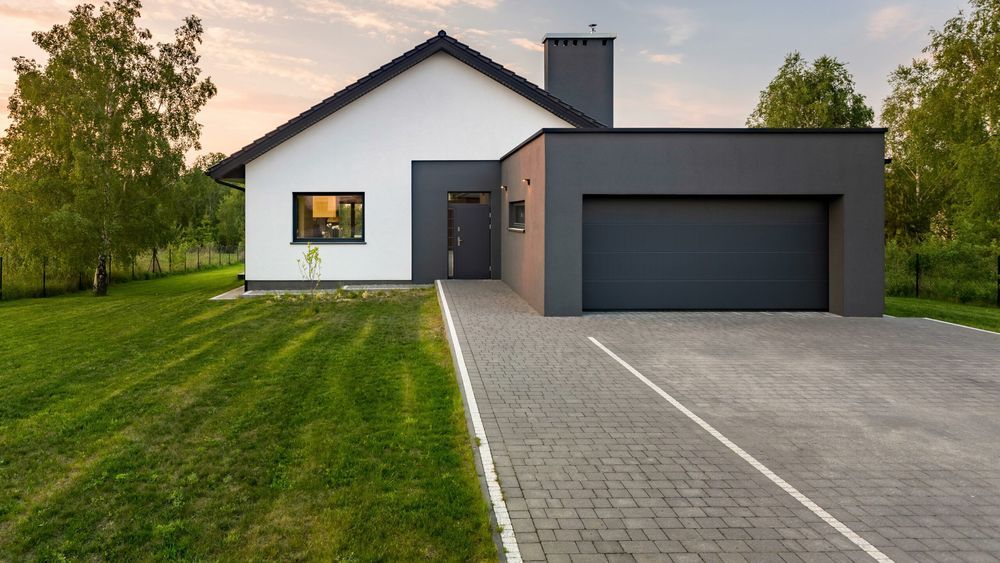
[804, 500]
[507, 538]
[962, 326]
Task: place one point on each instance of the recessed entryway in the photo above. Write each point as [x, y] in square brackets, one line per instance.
[705, 253]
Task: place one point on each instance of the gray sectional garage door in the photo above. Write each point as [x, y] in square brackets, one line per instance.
[705, 253]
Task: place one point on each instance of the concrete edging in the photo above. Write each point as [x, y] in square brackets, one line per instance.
[507, 545]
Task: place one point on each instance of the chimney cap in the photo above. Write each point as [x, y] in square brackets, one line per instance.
[580, 35]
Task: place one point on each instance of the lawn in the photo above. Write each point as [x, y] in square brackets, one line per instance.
[155, 424]
[987, 318]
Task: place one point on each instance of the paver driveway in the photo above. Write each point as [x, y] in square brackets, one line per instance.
[890, 425]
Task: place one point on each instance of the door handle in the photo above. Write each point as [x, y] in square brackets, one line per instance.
[459, 241]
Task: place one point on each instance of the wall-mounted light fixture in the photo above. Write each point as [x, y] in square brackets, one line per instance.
[503, 188]
[526, 182]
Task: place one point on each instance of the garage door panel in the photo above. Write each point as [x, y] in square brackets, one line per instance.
[705, 253]
[684, 210]
[702, 295]
[735, 266]
[604, 237]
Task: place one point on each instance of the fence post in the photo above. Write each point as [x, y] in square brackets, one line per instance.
[1, 278]
[998, 278]
[45, 264]
[170, 260]
[917, 284]
[79, 281]
[133, 267]
[210, 257]
[199, 258]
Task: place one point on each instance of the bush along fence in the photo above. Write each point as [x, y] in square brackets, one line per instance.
[21, 278]
[947, 272]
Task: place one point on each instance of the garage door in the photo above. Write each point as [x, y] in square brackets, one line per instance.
[704, 253]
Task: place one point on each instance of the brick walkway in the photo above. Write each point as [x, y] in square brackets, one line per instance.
[891, 425]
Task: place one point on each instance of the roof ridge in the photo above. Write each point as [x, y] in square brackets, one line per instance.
[386, 72]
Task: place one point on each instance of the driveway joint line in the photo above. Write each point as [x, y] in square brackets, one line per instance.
[848, 533]
[511, 551]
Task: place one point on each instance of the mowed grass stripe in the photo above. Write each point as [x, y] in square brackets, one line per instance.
[254, 429]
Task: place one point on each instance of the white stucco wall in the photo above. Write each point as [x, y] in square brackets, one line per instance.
[440, 109]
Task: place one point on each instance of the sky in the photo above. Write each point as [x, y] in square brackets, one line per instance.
[699, 63]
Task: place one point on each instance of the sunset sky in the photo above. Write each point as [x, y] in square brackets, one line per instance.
[694, 63]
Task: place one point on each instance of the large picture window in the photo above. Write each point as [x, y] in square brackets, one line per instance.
[327, 217]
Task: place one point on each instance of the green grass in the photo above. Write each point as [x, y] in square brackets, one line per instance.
[987, 318]
[155, 424]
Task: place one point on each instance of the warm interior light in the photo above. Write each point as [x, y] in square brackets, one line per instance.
[325, 207]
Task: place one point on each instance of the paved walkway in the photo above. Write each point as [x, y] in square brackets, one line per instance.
[892, 426]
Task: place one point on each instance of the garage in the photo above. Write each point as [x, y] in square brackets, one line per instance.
[705, 253]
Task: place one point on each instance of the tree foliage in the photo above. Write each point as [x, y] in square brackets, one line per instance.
[206, 211]
[98, 136]
[943, 115]
[811, 96]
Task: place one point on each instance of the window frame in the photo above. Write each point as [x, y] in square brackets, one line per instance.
[511, 225]
[310, 240]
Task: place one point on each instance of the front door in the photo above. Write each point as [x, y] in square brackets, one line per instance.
[469, 240]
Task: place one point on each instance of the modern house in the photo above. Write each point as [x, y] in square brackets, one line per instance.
[443, 164]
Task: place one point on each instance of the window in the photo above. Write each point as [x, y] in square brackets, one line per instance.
[469, 197]
[329, 218]
[516, 217]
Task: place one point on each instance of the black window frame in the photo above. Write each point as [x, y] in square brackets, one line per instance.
[310, 240]
[511, 224]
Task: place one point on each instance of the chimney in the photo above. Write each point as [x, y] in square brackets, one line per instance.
[579, 70]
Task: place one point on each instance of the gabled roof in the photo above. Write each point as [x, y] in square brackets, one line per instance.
[234, 166]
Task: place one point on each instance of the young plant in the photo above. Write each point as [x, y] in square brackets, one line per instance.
[310, 266]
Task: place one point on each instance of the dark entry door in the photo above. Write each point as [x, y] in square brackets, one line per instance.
[469, 240]
[704, 253]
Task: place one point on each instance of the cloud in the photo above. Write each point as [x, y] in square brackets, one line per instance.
[440, 5]
[365, 20]
[685, 105]
[680, 24]
[528, 44]
[45, 13]
[893, 21]
[231, 9]
[249, 54]
[663, 58]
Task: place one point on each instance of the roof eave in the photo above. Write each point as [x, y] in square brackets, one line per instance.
[234, 166]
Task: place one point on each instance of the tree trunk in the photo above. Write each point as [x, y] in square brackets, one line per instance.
[101, 277]
[154, 263]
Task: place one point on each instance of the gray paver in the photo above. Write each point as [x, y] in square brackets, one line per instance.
[889, 424]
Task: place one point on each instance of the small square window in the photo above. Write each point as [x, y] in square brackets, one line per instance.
[516, 218]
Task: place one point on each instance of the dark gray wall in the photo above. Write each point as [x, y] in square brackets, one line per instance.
[524, 252]
[844, 166]
[581, 71]
[431, 182]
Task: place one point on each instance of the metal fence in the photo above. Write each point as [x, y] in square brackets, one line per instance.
[21, 278]
[963, 275]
